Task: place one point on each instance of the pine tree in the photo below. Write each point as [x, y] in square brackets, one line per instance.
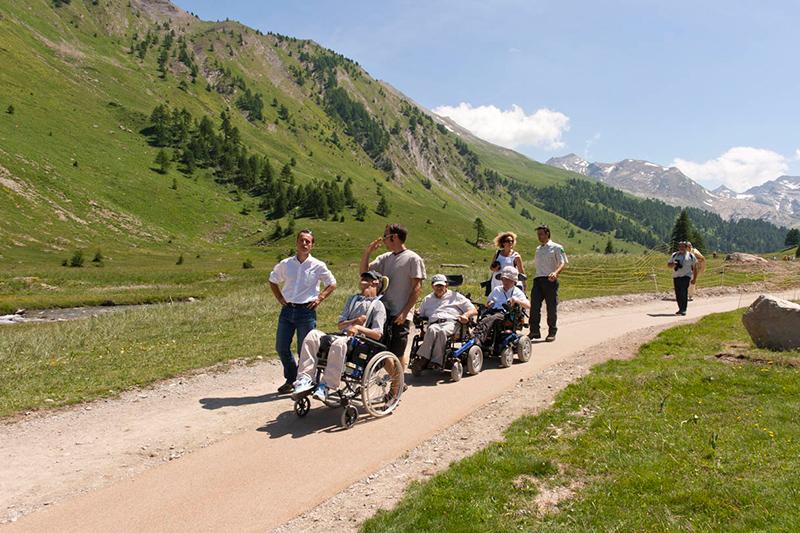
[383, 209]
[361, 212]
[10, 109]
[609, 248]
[797, 252]
[480, 230]
[162, 160]
[682, 231]
[792, 237]
[349, 199]
[286, 173]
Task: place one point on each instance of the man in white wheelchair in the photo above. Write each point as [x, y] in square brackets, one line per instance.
[363, 314]
[443, 310]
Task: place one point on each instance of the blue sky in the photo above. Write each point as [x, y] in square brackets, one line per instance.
[712, 86]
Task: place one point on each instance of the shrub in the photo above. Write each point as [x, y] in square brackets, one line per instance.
[98, 257]
[76, 261]
[180, 260]
[247, 264]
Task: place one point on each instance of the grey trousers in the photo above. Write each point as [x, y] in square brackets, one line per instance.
[435, 340]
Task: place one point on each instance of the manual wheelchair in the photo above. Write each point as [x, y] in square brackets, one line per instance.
[372, 377]
[506, 339]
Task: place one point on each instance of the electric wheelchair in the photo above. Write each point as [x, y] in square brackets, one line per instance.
[505, 338]
[461, 352]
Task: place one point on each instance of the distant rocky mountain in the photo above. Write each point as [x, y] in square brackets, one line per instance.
[777, 201]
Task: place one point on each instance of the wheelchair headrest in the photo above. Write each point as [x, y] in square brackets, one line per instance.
[520, 276]
[455, 280]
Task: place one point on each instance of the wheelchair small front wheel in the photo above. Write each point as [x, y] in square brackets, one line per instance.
[349, 416]
[506, 357]
[474, 360]
[524, 349]
[302, 406]
[457, 371]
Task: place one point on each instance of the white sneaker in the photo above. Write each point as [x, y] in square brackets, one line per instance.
[321, 392]
[303, 384]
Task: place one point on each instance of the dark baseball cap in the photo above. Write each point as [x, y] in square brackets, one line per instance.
[372, 274]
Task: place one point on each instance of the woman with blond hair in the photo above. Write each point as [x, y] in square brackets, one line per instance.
[505, 256]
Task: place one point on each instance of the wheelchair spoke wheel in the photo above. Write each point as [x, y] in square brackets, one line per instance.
[474, 360]
[457, 371]
[382, 384]
[349, 417]
[506, 357]
[302, 406]
[524, 349]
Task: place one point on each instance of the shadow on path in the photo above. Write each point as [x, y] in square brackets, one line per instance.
[662, 314]
[219, 403]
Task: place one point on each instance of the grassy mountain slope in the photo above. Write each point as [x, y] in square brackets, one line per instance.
[77, 172]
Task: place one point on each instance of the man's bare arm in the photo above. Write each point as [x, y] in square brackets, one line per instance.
[276, 291]
[416, 289]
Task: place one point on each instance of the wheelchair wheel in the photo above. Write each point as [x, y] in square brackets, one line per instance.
[523, 349]
[506, 357]
[415, 370]
[349, 417]
[474, 360]
[302, 406]
[382, 384]
[457, 371]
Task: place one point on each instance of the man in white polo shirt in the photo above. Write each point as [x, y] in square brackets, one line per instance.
[550, 260]
[299, 296]
[444, 309]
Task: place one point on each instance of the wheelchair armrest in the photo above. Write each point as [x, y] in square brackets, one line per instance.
[373, 344]
[419, 320]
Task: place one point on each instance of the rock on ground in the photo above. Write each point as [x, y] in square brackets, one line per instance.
[739, 257]
[773, 323]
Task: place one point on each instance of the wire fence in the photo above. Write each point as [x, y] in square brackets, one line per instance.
[593, 275]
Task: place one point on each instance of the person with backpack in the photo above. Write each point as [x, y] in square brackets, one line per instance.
[684, 273]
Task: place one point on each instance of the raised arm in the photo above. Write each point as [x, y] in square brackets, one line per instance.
[371, 247]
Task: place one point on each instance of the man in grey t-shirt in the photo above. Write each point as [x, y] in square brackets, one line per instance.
[405, 270]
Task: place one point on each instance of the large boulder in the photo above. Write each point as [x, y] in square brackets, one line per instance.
[773, 323]
[739, 257]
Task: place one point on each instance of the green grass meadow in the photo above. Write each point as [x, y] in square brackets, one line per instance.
[52, 364]
[672, 440]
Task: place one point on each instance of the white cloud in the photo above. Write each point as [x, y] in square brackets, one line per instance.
[511, 128]
[797, 154]
[739, 168]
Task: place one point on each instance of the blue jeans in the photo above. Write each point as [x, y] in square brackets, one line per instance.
[291, 320]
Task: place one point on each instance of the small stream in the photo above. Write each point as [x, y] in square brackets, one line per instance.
[61, 315]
